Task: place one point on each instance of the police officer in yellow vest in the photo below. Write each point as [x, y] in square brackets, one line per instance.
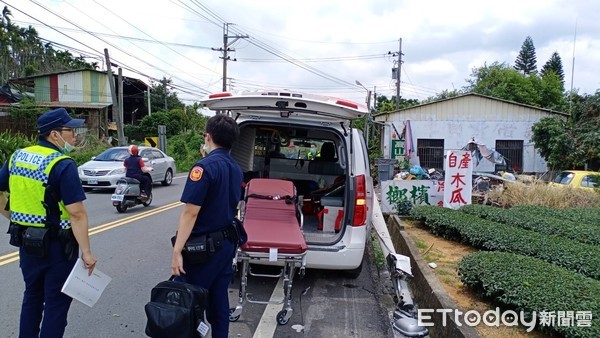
[48, 222]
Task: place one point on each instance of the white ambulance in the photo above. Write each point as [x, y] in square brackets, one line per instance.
[310, 140]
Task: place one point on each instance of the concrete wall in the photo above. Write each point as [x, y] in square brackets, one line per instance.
[427, 291]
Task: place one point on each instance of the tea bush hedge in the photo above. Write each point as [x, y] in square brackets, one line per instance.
[537, 220]
[488, 235]
[590, 216]
[529, 284]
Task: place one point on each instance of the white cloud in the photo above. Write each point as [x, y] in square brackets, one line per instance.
[441, 40]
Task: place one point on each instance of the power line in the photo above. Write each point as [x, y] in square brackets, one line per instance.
[116, 47]
[116, 36]
[327, 59]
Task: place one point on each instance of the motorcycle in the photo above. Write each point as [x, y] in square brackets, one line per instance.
[128, 194]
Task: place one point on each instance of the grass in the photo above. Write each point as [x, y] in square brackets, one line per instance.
[542, 194]
[420, 244]
[379, 259]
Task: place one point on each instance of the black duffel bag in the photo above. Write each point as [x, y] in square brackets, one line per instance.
[175, 310]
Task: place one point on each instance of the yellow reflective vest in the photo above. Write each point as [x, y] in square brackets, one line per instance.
[29, 170]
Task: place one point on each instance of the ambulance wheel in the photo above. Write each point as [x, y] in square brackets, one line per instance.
[231, 317]
[354, 273]
[121, 208]
[281, 320]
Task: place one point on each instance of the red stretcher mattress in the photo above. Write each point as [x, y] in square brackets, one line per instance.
[272, 223]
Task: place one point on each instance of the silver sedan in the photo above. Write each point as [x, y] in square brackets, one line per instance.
[103, 171]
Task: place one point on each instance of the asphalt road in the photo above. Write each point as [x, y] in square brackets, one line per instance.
[134, 249]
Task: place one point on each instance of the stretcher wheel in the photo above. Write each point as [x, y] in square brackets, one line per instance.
[231, 317]
[281, 317]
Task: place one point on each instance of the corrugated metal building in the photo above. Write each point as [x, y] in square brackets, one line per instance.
[86, 86]
[451, 123]
[86, 93]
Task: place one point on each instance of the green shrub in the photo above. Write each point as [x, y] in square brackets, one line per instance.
[185, 149]
[404, 207]
[9, 143]
[589, 216]
[484, 234]
[89, 148]
[528, 284]
[534, 219]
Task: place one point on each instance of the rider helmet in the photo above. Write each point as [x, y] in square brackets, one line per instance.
[133, 150]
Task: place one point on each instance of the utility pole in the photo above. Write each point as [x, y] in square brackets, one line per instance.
[149, 105]
[396, 72]
[368, 117]
[398, 75]
[115, 102]
[120, 127]
[164, 81]
[225, 49]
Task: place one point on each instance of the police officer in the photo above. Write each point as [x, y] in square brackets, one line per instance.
[211, 196]
[47, 221]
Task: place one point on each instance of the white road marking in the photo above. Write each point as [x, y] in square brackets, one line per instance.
[268, 322]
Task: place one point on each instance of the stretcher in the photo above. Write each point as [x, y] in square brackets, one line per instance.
[273, 221]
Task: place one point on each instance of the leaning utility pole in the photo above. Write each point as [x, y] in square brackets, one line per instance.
[115, 104]
[226, 49]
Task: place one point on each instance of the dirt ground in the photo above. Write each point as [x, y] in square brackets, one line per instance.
[446, 254]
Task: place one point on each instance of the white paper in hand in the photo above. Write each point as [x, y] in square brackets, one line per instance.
[84, 288]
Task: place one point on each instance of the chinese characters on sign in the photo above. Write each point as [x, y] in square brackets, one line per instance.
[398, 149]
[458, 179]
[417, 192]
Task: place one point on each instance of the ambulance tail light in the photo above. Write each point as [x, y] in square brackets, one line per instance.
[219, 95]
[348, 104]
[360, 201]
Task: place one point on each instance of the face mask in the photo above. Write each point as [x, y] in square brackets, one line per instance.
[207, 149]
[67, 148]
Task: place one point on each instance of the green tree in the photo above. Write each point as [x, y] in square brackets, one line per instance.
[159, 91]
[444, 94]
[149, 124]
[384, 104]
[570, 143]
[501, 81]
[526, 60]
[194, 121]
[554, 65]
[22, 52]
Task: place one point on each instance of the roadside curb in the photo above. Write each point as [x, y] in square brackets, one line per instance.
[427, 291]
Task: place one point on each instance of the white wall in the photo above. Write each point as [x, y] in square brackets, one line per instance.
[459, 120]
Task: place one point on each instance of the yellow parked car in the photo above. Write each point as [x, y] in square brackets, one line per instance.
[578, 179]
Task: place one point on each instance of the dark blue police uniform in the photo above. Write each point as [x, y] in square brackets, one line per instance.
[214, 183]
[44, 277]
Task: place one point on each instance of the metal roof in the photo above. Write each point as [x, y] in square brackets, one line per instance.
[85, 105]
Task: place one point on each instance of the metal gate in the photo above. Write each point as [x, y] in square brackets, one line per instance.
[431, 153]
[513, 153]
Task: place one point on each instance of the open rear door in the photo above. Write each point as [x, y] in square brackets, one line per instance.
[287, 105]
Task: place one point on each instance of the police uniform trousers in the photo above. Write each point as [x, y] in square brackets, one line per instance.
[44, 278]
[215, 276]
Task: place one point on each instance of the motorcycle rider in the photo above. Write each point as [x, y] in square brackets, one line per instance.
[136, 169]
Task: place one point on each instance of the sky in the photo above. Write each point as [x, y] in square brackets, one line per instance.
[319, 46]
